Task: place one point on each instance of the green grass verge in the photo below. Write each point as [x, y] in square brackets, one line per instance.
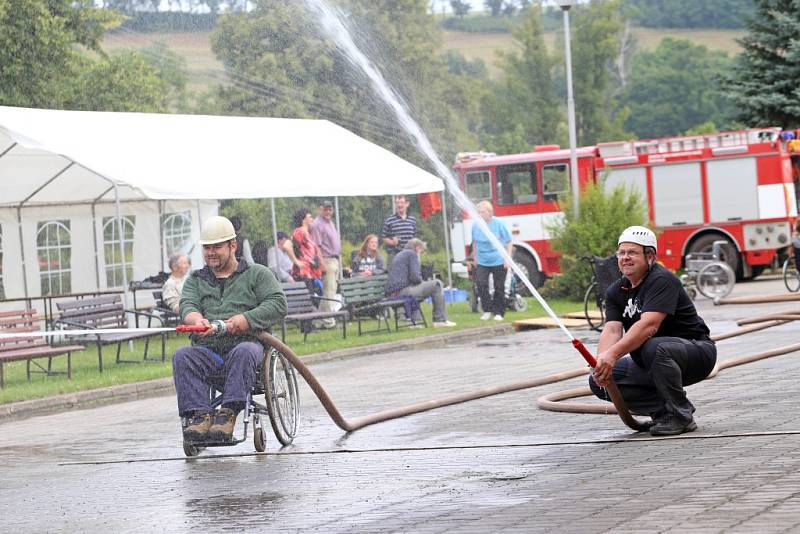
[85, 375]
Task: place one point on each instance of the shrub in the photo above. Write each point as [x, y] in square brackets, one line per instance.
[603, 216]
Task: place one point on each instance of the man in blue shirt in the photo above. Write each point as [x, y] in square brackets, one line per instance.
[490, 262]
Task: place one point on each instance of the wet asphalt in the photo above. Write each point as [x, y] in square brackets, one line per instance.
[498, 463]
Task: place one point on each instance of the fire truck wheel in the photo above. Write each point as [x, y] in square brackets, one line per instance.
[531, 271]
[729, 254]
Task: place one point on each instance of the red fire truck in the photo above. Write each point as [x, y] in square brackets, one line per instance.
[732, 186]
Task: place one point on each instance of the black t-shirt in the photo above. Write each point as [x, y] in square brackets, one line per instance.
[660, 291]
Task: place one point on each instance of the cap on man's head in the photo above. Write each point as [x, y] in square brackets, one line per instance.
[326, 204]
[282, 235]
[217, 230]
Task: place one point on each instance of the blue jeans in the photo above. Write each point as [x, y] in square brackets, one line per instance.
[196, 368]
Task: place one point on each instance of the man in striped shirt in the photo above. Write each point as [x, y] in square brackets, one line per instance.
[398, 228]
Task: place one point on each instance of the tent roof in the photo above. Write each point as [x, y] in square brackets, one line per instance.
[76, 156]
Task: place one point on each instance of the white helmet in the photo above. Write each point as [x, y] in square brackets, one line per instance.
[639, 235]
[216, 230]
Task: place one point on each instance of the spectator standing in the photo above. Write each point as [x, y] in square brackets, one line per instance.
[304, 252]
[398, 228]
[279, 261]
[367, 261]
[171, 292]
[490, 263]
[405, 279]
[327, 238]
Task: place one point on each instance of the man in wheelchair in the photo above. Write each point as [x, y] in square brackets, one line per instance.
[247, 299]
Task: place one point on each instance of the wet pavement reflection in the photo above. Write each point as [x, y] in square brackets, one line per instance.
[477, 466]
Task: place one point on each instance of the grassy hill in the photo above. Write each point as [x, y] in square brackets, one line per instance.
[204, 69]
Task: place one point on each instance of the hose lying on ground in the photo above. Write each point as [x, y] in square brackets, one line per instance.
[548, 402]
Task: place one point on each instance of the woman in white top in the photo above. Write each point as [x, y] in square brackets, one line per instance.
[171, 292]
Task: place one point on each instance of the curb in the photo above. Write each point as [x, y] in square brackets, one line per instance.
[164, 386]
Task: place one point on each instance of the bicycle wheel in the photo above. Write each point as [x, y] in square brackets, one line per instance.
[715, 280]
[790, 275]
[594, 313]
[282, 396]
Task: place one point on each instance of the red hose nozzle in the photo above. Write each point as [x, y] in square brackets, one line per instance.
[584, 352]
[191, 328]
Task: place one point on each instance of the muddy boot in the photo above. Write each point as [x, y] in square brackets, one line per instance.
[196, 430]
[221, 430]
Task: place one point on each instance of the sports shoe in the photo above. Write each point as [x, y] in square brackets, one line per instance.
[438, 324]
[222, 429]
[672, 427]
[498, 317]
[197, 428]
[486, 316]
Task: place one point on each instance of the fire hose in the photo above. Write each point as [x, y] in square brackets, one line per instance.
[547, 402]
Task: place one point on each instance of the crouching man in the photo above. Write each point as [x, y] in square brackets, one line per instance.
[247, 298]
[653, 342]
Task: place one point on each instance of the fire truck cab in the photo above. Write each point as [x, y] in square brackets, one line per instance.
[732, 186]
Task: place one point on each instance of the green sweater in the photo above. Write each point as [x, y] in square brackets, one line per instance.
[251, 290]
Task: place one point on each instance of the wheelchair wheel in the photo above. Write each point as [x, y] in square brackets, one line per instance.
[519, 303]
[259, 439]
[790, 276]
[716, 280]
[595, 315]
[282, 396]
[191, 450]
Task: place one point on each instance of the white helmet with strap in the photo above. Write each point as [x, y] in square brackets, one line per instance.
[639, 235]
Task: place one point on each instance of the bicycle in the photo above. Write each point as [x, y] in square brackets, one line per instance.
[791, 276]
[605, 271]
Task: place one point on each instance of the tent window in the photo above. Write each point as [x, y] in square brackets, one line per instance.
[54, 252]
[177, 233]
[2, 287]
[111, 249]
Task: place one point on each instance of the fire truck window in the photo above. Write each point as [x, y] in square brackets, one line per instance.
[555, 181]
[516, 184]
[478, 186]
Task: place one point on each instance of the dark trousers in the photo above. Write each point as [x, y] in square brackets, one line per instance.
[670, 363]
[495, 305]
[196, 368]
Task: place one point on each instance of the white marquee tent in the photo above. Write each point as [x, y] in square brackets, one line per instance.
[85, 168]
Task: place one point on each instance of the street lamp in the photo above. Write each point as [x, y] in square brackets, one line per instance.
[565, 5]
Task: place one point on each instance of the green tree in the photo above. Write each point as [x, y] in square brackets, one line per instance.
[42, 64]
[675, 88]
[596, 36]
[690, 13]
[495, 7]
[460, 7]
[764, 82]
[603, 216]
[523, 110]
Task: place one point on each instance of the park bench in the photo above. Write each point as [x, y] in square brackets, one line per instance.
[301, 310]
[364, 299]
[168, 317]
[29, 349]
[107, 312]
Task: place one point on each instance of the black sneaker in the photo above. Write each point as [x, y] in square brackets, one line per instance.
[673, 427]
[197, 427]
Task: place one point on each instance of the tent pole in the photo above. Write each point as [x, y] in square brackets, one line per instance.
[274, 223]
[447, 239]
[338, 229]
[19, 218]
[22, 250]
[94, 233]
[160, 204]
[120, 229]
